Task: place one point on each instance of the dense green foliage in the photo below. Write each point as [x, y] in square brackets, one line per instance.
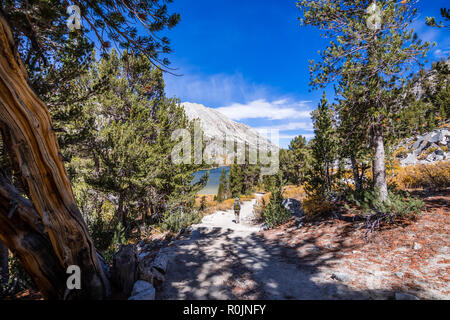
[118, 148]
[274, 213]
[294, 161]
[223, 191]
[374, 61]
[376, 212]
[323, 149]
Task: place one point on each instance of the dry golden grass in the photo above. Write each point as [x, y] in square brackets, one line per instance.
[434, 176]
[294, 192]
[315, 206]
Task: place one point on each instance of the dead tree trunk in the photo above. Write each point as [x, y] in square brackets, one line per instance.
[34, 148]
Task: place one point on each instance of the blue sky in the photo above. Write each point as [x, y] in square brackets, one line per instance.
[249, 59]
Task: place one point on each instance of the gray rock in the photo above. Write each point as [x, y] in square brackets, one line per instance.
[417, 246]
[435, 137]
[405, 296]
[416, 144]
[264, 227]
[140, 286]
[142, 290]
[340, 277]
[195, 234]
[123, 273]
[144, 268]
[158, 277]
[161, 262]
[399, 274]
[411, 159]
[294, 207]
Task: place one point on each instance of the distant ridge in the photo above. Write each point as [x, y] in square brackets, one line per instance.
[216, 125]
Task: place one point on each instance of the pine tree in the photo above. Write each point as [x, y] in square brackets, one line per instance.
[41, 36]
[235, 178]
[295, 161]
[222, 193]
[274, 213]
[323, 149]
[379, 58]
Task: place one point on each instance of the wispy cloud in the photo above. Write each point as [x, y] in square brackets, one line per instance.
[438, 53]
[259, 106]
[263, 109]
[304, 125]
[215, 90]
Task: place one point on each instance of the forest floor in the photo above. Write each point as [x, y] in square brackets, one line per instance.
[330, 259]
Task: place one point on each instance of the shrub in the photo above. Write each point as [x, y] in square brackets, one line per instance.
[275, 214]
[294, 192]
[401, 152]
[376, 212]
[431, 176]
[315, 206]
[177, 219]
[260, 206]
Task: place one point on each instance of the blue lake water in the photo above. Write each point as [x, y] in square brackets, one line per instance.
[213, 182]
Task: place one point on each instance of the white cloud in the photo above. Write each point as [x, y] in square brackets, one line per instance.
[441, 53]
[290, 126]
[214, 90]
[263, 109]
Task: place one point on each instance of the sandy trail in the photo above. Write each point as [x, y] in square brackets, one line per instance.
[220, 259]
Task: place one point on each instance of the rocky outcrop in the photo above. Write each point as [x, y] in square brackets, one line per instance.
[424, 149]
[138, 270]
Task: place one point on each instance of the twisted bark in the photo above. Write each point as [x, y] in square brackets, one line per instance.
[34, 148]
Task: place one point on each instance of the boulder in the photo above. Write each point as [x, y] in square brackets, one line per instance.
[140, 286]
[144, 268]
[142, 290]
[123, 273]
[411, 159]
[294, 207]
[161, 262]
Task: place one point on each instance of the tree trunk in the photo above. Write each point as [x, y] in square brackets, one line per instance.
[33, 146]
[356, 176]
[4, 268]
[22, 231]
[379, 164]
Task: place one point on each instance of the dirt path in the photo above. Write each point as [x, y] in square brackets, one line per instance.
[329, 259]
[220, 259]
